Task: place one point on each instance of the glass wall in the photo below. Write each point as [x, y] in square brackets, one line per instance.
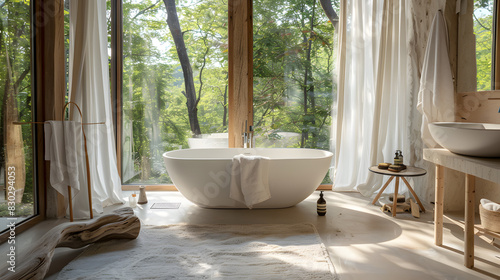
[174, 82]
[17, 190]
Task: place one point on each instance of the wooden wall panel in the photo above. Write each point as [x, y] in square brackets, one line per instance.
[466, 50]
[481, 107]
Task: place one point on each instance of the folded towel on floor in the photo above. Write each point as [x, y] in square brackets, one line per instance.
[250, 179]
[64, 150]
[490, 205]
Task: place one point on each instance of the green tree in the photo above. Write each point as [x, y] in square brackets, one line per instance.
[15, 76]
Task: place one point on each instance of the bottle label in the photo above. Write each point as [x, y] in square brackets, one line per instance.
[321, 208]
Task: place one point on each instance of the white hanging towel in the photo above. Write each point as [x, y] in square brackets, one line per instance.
[64, 150]
[436, 100]
[250, 179]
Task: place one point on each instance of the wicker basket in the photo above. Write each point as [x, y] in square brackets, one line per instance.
[490, 220]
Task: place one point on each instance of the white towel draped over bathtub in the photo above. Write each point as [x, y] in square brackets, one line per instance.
[250, 179]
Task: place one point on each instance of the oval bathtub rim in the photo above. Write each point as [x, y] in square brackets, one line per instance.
[327, 154]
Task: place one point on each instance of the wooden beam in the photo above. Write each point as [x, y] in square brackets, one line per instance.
[451, 19]
[117, 75]
[496, 46]
[466, 78]
[240, 97]
[50, 88]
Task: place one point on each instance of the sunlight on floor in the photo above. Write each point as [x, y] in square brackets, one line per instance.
[363, 242]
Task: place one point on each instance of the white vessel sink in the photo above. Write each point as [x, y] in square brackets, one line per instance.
[470, 139]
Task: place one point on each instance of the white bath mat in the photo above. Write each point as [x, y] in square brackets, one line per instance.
[166, 205]
[208, 252]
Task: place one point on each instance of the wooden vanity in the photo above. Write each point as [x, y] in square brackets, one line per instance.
[485, 168]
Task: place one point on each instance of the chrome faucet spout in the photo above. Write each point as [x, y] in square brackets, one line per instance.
[250, 137]
[247, 135]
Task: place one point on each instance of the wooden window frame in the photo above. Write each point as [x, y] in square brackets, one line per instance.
[48, 89]
[496, 52]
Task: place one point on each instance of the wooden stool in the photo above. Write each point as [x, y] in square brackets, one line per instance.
[410, 171]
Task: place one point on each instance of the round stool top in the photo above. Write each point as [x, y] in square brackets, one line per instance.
[410, 171]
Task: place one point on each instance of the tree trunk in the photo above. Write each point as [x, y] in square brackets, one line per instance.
[308, 88]
[330, 12]
[13, 138]
[190, 91]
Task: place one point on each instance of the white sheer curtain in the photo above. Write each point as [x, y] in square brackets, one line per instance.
[90, 89]
[374, 93]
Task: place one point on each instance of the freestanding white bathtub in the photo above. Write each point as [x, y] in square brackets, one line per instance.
[203, 175]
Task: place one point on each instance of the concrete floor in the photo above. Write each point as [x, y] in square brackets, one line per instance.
[363, 242]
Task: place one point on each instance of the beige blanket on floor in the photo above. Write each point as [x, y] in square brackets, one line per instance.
[208, 252]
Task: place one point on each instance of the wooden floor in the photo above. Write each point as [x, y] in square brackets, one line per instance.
[363, 242]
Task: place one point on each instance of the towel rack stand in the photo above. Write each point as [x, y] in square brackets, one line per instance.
[87, 164]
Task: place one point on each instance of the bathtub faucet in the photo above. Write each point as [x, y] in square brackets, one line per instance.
[247, 136]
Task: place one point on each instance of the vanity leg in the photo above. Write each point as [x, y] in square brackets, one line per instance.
[470, 187]
[438, 209]
[395, 199]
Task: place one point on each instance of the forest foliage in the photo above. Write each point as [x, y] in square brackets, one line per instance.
[483, 30]
[16, 97]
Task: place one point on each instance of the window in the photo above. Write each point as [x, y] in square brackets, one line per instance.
[18, 196]
[175, 79]
[292, 64]
[171, 99]
[484, 30]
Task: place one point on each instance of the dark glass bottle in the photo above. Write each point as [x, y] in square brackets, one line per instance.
[321, 205]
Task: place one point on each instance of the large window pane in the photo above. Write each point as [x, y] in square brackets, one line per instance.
[17, 199]
[174, 82]
[293, 61]
[483, 29]
[293, 82]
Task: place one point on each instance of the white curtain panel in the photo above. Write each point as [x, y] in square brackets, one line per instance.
[90, 89]
[375, 92]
